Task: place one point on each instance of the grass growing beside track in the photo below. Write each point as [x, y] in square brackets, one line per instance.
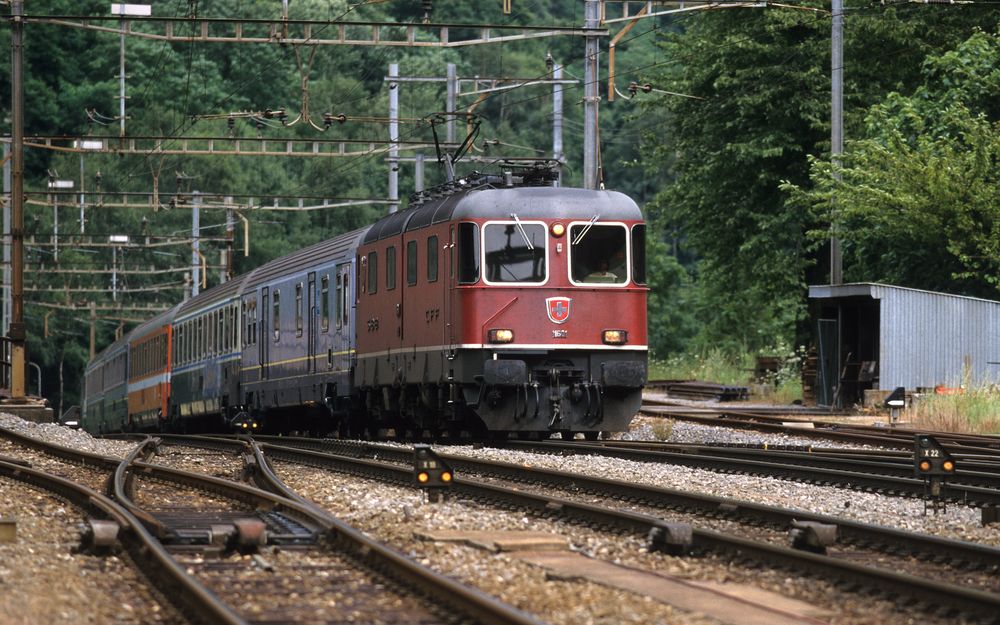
[974, 411]
[734, 370]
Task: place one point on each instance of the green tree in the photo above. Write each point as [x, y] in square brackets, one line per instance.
[919, 200]
[757, 108]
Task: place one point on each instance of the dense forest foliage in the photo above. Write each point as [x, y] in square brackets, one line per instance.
[727, 151]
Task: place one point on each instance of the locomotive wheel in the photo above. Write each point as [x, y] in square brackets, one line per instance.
[591, 435]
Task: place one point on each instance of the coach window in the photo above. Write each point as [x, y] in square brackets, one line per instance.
[468, 253]
[220, 338]
[346, 301]
[432, 258]
[298, 309]
[276, 315]
[372, 273]
[340, 298]
[411, 263]
[598, 252]
[210, 336]
[390, 268]
[234, 327]
[639, 253]
[198, 340]
[253, 321]
[178, 343]
[515, 252]
[324, 303]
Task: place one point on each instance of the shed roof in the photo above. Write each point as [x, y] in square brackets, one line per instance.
[876, 290]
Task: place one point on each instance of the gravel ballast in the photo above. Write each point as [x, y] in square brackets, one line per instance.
[393, 514]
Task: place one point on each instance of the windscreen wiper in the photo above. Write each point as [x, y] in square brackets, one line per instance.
[585, 230]
[520, 229]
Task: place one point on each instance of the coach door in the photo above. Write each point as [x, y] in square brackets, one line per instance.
[264, 337]
[311, 323]
[342, 305]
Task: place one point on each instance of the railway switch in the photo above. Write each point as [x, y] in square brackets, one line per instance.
[430, 472]
[99, 537]
[251, 534]
[933, 463]
[812, 536]
[672, 538]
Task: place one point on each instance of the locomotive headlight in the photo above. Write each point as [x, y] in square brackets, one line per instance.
[615, 337]
[501, 336]
[558, 230]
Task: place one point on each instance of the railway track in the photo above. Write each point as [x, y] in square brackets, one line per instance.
[970, 568]
[812, 423]
[176, 539]
[975, 488]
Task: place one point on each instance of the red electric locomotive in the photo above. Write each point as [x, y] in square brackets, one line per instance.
[497, 308]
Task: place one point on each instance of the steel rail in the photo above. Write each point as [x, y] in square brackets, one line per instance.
[890, 582]
[474, 603]
[76, 456]
[881, 437]
[966, 553]
[183, 591]
[968, 485]
[910, 486]
[470, 601]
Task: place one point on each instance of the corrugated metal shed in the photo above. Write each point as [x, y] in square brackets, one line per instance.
[918, 338]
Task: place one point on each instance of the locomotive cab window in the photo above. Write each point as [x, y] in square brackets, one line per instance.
[468, 253]
[598, 253]
[639, 254]
[515, 252]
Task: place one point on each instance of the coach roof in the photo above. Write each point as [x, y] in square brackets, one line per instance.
[340, 247]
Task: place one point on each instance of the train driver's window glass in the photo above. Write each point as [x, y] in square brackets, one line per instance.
[468, 253]
[639, 254]
[432, 258]
[515, 252]
[598, 253]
